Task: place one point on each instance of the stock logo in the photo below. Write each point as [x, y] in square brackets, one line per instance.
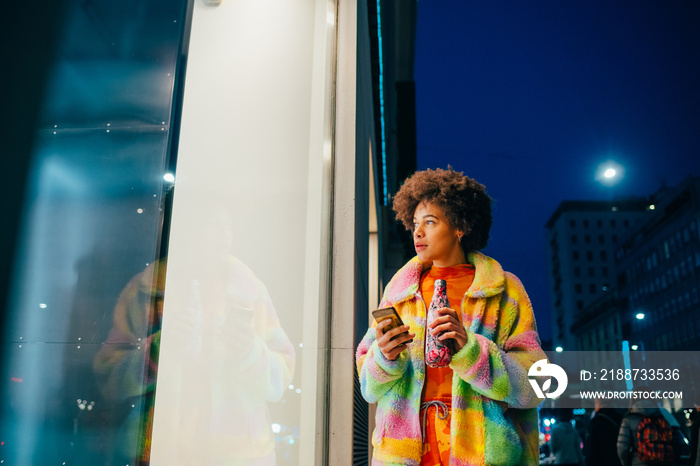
[544, 369]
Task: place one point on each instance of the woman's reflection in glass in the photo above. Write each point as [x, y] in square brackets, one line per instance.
[232, 355]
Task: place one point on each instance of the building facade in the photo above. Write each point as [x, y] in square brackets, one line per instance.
[651, 296]
[659, 273]
[582, 238]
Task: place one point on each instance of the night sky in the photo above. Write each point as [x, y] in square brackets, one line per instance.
[531, 97]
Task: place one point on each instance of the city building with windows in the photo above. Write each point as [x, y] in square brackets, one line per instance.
[658, 273]
[598, 326]
[582, 239]
[653, 303]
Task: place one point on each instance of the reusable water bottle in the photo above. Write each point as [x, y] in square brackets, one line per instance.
[437, 353]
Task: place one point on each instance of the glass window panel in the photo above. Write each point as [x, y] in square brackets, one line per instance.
[76, 373]
[241, 372]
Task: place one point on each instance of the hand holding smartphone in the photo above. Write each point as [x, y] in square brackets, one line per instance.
[396, 344]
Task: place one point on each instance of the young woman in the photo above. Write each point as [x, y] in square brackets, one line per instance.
[481, 410]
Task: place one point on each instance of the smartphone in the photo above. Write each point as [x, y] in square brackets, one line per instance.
[391, 314]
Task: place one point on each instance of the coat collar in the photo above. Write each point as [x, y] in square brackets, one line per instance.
[489, 278]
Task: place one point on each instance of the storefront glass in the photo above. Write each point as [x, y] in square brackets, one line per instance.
[76, 374]
[242, 373]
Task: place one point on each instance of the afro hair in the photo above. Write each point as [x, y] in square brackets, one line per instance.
[464, 201]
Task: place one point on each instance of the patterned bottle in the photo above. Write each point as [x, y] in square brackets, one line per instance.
[437, 353]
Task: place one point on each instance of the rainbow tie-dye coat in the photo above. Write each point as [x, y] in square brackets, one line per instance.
[494, 415]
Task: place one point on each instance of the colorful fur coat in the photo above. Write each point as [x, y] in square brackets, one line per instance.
[494, 416]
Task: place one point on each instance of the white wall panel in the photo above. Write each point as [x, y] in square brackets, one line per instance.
[240, 375]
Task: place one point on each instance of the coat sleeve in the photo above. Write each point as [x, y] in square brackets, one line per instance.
[624, 442]
[377, 373]
[126, 365]
[500, 372]
[268, 364]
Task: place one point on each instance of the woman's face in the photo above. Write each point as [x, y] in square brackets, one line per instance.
[434, 238]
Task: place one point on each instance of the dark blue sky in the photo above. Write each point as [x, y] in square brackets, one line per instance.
[530, 97]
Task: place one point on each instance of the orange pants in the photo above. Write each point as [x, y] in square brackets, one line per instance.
[436, 428]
